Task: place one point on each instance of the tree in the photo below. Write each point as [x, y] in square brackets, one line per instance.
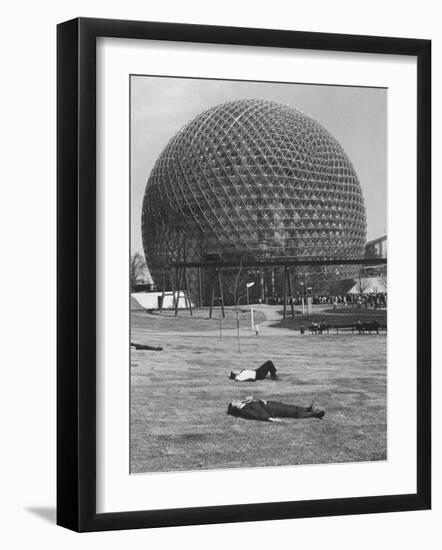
[233, 281]
[362, 284]
[137, 269]
[383, 276]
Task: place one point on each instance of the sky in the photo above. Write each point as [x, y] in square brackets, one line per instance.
[355, 116]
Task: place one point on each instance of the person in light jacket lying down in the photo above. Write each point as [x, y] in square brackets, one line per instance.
[251, 375]
[270, 411]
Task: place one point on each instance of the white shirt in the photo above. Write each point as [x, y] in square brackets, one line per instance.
[246, 374]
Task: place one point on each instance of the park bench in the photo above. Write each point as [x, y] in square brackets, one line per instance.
[368, 326]
[319, 330]
[344, 327]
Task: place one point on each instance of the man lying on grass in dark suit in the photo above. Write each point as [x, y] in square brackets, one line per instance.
[146, 347]
[270, 411]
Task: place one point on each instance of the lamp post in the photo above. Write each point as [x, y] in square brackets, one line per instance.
[249, 285]
[237, 322]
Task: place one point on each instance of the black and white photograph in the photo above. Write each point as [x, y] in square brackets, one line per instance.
[258, 274]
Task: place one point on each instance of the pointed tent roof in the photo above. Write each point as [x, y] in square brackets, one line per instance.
[369, 285]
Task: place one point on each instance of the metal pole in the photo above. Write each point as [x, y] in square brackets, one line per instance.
[305, 291]
[237, 327]
[291, 296]
[180, 276]
[188, 297]
[220, 284]
[200, 288]
[261, 273]
[213, 294]
[174, 286]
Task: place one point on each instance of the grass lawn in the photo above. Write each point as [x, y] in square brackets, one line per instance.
[167, 323]
[179, 396]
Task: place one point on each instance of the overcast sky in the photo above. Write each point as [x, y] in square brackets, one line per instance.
[356, 117]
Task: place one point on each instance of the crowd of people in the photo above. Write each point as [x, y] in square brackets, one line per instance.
[375, 300]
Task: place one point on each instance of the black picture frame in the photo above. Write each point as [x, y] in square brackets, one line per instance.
[76, 274]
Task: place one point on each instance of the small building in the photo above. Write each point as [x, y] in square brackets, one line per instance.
[376, 248]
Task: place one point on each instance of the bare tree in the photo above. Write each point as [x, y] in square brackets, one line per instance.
[383, 277]
[233, 281]
[137, 269]
[237, 279]
[236, 299]
[362, 284]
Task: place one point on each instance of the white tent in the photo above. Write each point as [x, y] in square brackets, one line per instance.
[151, 300]
[369, 285]
[135, 304]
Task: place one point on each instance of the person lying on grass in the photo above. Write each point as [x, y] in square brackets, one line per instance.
[251, 375]
[270, 411]
[145, 346]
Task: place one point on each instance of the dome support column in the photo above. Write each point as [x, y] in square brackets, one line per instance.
[288, 293]
[217, 278]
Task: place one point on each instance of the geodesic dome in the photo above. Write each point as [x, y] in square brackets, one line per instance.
[257, 179]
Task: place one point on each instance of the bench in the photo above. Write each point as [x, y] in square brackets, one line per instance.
[344, 327]
[320, 329]
[367, 326]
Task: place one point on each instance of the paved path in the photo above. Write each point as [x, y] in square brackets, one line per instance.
[269, 327]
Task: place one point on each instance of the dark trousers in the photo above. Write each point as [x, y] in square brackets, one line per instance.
[267, 368]
[282, 410]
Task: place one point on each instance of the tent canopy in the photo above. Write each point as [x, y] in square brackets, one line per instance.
[368, 285]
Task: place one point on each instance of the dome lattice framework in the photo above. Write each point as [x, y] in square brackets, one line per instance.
[255, 179]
